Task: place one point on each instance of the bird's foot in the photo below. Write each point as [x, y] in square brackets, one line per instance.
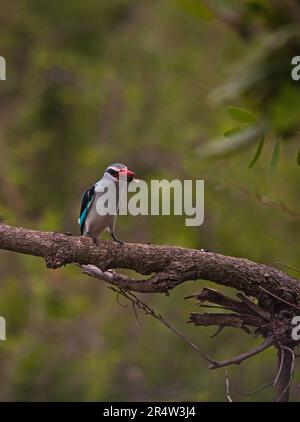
[68, 233]
[121, 243]
[95, 241]
[204, 250]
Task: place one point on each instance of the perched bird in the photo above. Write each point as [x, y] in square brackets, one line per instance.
[91, 222]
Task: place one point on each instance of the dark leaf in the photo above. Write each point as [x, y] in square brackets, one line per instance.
[258, 152]
[298, 158]
[275, 157]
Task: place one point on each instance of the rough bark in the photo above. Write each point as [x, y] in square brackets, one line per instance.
[171, 265]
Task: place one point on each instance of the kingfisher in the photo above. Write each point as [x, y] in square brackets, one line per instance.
[92, 223]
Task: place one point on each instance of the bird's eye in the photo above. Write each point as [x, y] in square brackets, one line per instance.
[113, 172]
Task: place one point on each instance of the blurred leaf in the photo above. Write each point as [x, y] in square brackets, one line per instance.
[256, 65]
[258, 152]
[275, 157]
[298, 158]
[241, 114]
[221, 147]
[232, 131]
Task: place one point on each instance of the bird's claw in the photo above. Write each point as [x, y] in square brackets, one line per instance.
[95, 241]
[121, 243]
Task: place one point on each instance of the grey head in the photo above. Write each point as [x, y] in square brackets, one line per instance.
[115, 170]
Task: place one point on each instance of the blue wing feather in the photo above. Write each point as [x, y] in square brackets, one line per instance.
[87, 199]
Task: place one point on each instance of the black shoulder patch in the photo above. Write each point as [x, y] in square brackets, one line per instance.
[85, 204]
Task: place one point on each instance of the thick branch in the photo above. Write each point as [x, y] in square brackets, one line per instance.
[170, 265]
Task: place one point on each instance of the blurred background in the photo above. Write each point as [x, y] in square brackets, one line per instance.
[174, 89]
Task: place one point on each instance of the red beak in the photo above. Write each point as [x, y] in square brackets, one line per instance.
[130, 174]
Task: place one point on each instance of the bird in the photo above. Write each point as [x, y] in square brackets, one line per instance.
[92, 224]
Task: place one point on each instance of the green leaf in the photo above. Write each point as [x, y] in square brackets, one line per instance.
[233, 131]
[258, 152]
[275, 157]
[241, 115]
[298, 158]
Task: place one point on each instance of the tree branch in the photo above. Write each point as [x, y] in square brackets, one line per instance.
[237, 360]
[170, 265]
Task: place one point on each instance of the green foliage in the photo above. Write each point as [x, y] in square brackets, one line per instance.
[275, 157]
[241, 115]
[257, 153]
[298, 158]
